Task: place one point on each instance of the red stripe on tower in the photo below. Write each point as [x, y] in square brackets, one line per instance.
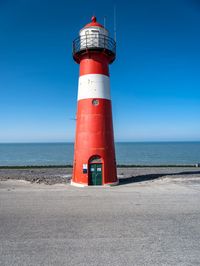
[94, 151]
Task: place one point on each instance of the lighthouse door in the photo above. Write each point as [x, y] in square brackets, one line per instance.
[95, 173]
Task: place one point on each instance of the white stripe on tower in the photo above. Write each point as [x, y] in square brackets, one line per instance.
[94, 86]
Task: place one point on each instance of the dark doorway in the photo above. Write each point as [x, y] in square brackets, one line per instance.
[95, 171]
[96, 174]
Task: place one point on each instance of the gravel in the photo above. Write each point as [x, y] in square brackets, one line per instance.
[126, 175]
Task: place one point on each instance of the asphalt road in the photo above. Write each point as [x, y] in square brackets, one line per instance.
[146, 223]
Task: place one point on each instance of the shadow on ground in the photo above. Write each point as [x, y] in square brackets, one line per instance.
[149, 177]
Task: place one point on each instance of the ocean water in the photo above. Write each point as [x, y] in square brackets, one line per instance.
[140, 153]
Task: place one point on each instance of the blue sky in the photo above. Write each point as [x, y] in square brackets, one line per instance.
[155, 81]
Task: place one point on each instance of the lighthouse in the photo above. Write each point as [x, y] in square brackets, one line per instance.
[94, 150]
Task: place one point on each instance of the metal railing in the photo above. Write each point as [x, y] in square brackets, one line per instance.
[93, 41]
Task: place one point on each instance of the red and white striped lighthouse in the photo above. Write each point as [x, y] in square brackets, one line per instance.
[94, 151]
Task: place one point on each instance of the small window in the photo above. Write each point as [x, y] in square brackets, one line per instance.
[96, 159]
[86, 32]
[95, 102]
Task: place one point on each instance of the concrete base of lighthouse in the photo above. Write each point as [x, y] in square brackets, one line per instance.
[86, 185]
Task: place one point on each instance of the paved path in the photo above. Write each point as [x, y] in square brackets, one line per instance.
[150, 223]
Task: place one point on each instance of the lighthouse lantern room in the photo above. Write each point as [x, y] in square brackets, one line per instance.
[94, 150]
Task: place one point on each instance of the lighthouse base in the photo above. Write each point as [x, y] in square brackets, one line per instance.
[86, 185]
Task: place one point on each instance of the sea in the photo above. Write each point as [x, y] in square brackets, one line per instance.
[127, 153]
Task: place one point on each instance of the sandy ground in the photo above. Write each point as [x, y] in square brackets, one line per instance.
[151, 218]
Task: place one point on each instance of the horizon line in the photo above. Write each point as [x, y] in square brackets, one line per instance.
[72, 142]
